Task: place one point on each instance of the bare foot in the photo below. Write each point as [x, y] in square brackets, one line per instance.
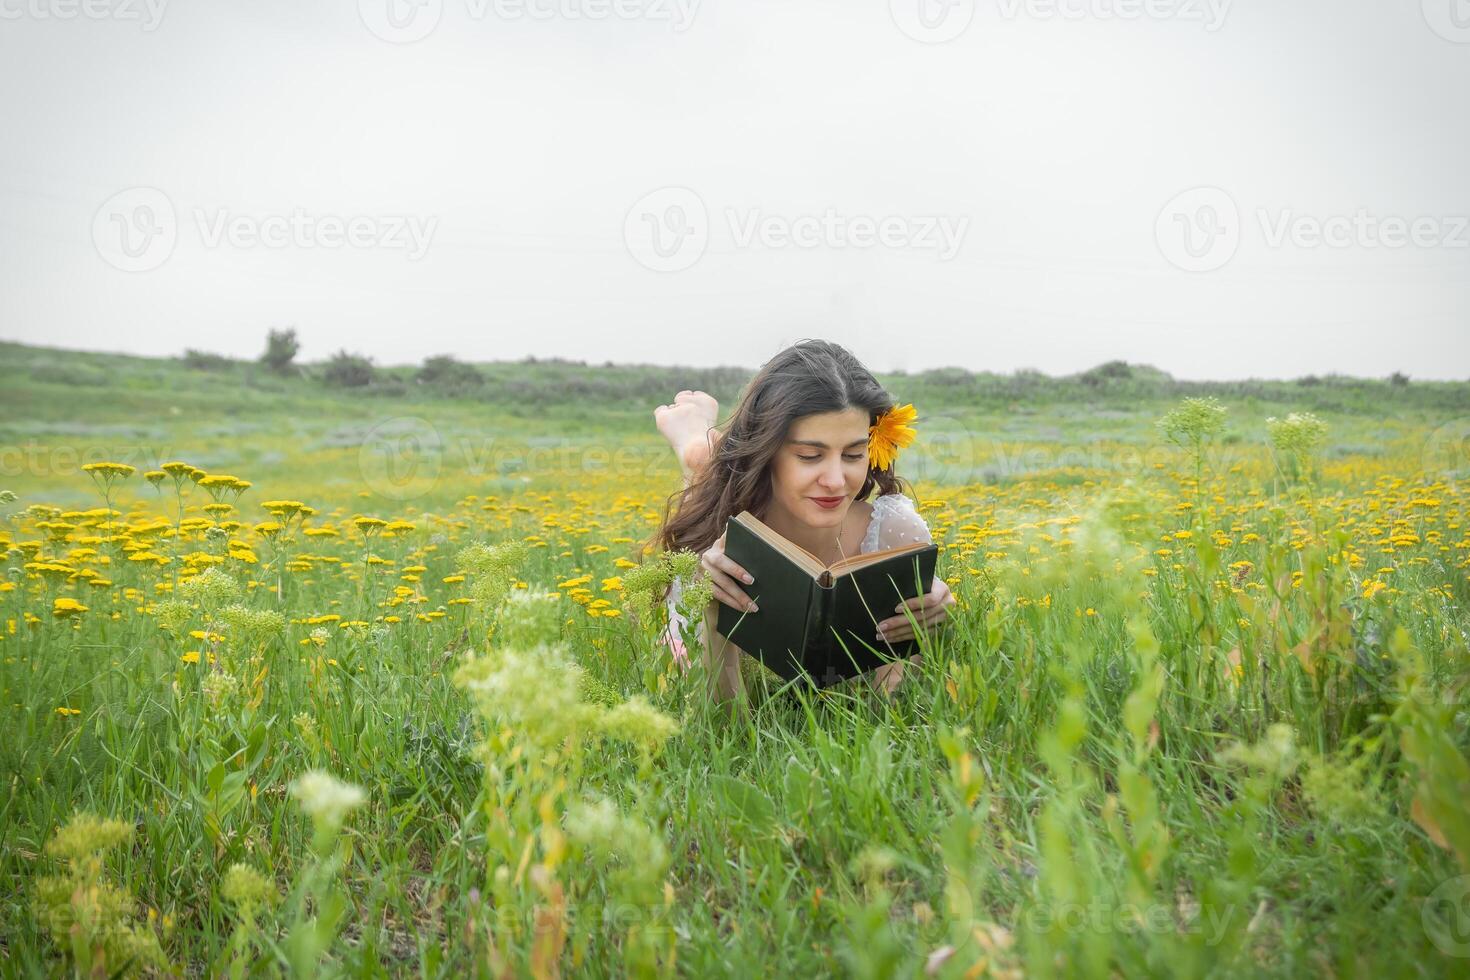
[688, 425]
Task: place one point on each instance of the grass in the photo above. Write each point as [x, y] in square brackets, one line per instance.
[1192, 717]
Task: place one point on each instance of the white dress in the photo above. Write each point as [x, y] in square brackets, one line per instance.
[895, 522]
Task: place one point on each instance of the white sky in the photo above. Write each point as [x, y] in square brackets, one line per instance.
[523, 143]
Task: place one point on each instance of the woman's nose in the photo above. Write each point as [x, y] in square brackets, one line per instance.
[832, 476]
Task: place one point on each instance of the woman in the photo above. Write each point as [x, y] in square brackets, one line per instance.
[796, 453]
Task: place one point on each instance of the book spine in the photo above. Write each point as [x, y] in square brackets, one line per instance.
[816, 644]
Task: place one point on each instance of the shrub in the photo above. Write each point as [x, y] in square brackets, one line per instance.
[347, 370]
[1103, 373]
[281, 347]
[198, 360]
[443, 371]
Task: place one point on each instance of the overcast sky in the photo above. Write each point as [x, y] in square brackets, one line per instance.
[1248, 189]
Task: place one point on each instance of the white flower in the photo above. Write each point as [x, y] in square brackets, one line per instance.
[325, 798]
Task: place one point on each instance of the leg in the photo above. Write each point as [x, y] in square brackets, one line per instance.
[688, 424]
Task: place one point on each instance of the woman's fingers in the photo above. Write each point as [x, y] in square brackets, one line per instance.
[725, 588]
[731, 569]
[733, 597]
[722, 570]
[900, 628]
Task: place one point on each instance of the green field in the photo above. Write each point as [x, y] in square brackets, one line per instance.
[1201, 710]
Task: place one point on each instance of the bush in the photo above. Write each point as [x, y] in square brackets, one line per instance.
[198, 360]
[346, 370]
[950, 377]
[281, 347]
[443, 371]
[1103, 373]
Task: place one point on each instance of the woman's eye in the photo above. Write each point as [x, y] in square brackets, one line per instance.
[852, 459]
[846, 456]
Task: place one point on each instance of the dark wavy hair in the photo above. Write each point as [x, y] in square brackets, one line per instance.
[808, 378]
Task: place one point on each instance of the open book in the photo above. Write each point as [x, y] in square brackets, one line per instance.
[821, 620]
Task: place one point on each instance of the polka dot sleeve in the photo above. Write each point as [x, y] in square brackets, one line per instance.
[895, 523]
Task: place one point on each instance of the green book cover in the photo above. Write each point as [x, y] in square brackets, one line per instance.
[816, 620]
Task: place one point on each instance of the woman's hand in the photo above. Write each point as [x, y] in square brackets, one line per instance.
[723, 574]
[927, 610]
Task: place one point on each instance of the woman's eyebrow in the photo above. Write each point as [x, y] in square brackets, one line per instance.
[822, 445]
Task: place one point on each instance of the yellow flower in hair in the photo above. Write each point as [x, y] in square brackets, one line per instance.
[890, 433]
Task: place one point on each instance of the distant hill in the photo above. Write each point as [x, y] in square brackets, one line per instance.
[55, 383]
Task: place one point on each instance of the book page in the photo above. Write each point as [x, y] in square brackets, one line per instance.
[803, 558]
[862, 561]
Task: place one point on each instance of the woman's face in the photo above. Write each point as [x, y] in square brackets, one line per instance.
[821, 467]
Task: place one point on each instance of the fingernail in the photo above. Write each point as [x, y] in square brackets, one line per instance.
[754, 607]
[749, 580]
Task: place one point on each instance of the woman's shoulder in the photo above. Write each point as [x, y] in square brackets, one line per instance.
[894, 521]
